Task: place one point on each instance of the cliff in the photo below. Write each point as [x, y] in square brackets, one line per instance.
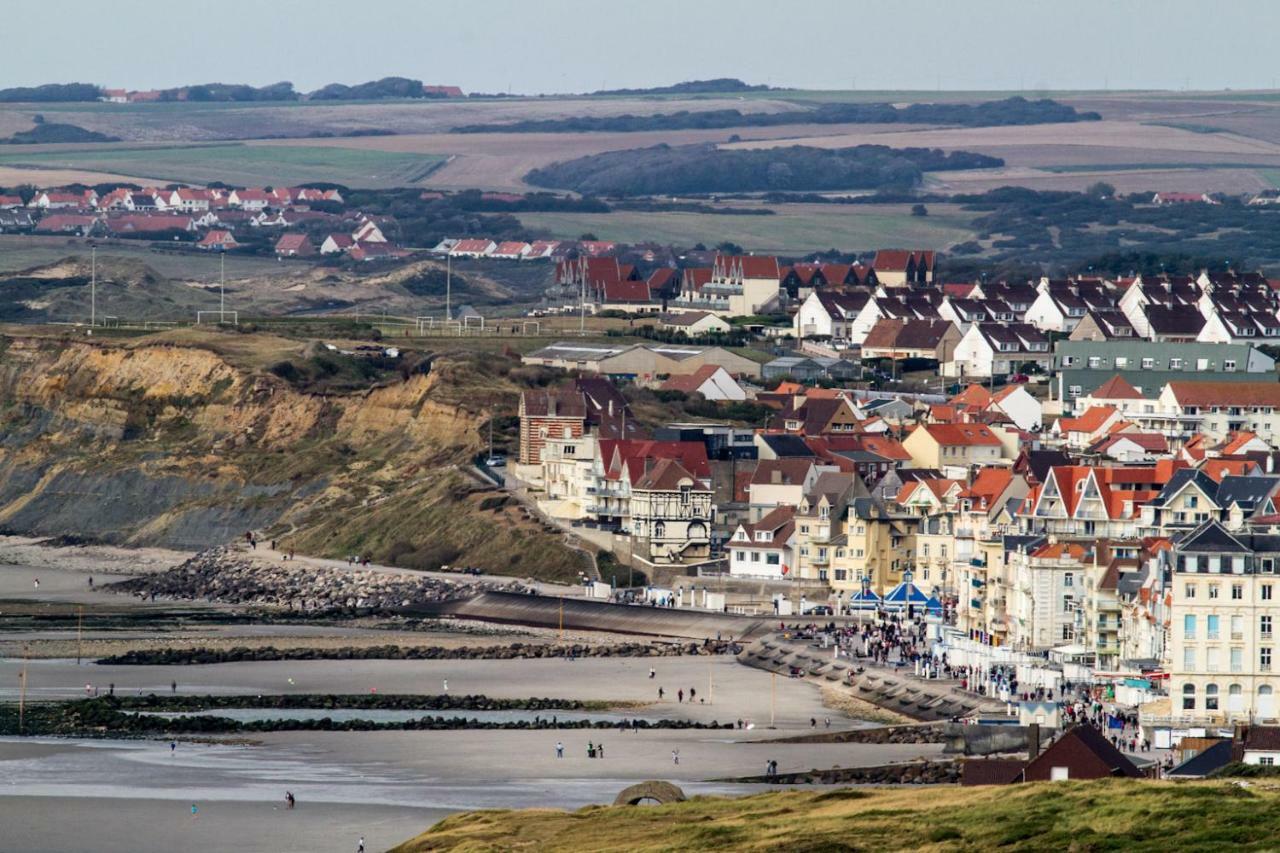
[187, 439]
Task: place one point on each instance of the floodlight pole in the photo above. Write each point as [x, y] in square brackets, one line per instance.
[222, 286]
[93, 287]
[448, 288]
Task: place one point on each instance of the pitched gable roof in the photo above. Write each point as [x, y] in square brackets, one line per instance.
[1116, 388]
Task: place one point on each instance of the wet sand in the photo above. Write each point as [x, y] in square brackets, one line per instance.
[102, 825]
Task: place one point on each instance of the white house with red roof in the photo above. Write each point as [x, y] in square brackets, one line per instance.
[481, 247]
[764, 549]
[336, 244]
[511, 250]
[1082, 431]
[294, 246]
[250, 199]
[218, 241]
[369, 232]
[61, 200]
[711, 381]
[190, 199]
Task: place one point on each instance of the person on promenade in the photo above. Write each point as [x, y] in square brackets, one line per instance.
[680, 695]
[659, 694]
[559, 749]
[675, 756]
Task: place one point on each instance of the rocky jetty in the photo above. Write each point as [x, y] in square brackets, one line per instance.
[229, 576]
[171, 657]
[912, 773]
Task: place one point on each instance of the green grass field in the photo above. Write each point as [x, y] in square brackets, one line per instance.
[239, 164]
[794, 228]
[1125, 816]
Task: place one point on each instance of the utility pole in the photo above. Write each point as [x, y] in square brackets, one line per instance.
[448, 291]
[79, 631]
[93, 287]
[22, 690]
[222, 287]
[773, 696]
[582, 308]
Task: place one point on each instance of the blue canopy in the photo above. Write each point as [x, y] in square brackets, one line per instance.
[905, 594]
[863, 600]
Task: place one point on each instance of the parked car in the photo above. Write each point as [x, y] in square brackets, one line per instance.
[495, 461]
[819, 610]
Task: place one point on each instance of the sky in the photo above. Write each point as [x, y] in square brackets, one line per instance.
[550, 46]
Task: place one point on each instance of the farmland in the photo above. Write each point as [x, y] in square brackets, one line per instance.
[793, 228]
[236, 163]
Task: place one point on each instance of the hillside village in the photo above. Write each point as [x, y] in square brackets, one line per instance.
[1095, 479]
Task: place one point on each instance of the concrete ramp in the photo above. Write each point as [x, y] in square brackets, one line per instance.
[584, 614]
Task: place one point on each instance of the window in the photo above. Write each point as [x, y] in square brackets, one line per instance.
[1237, 660]
[1188, 697]
[1266, 592]
[1189, 590]
[1213, 590]
[1074, 391]
[1237, 627]
[1095, 361]
[1189, 658]
[1264, 626]
[772, 559]
[1121, 362]
[740, 556]
[1193, 501]
[570, 450]
[804, 528]
[1267, 760]
[1148, 363]
[1211, 660]
[1202, 364]
[1237, 592]
[1059, 774]
[1211, 697]
[1175, 364]
[1188, 627]
[1068, 579]
[1264, 658]
[1229, 365]
[1211, 627]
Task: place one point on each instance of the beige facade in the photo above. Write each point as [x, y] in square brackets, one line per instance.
[1224, 614]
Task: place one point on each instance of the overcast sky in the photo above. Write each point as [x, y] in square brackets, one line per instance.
[540, 46]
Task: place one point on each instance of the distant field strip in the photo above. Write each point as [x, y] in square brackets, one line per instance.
[809, 228]
[237, 163]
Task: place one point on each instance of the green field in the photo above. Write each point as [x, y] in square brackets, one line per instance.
[236, 163]
[793, 228]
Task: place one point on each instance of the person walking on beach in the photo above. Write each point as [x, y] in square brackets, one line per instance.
[288, 799]
[692, 693]
[446, 685]
[173, 746]
[599, 750]
[360, 845]
[559, 749]
[37, 583]
[173, 687]
[652, 672]
[90, 581]
[680, 695]
[675, 756]
[194, 810]
[659, 693]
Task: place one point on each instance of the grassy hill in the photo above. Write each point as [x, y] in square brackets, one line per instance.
[1068, 816]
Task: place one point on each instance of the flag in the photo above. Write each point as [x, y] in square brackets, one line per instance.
[785, 569]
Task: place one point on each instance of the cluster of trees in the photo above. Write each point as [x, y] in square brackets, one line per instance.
[387, 87]
[206, 92]
[1010, 111]
[1119, 234]
[664, 169]
[55, 132]
[718, 85]
[51, 92]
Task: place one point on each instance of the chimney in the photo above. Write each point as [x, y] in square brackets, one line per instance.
[1033, 741]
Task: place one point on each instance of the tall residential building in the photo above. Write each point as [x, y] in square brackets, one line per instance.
[1224, 613]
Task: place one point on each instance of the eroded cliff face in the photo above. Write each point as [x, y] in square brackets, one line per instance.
[156, 442]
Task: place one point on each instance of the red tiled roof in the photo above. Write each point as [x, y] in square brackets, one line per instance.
[965, 435]
[690, 382]
[1116, 388]
[1092, 420]
[1226, 393]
